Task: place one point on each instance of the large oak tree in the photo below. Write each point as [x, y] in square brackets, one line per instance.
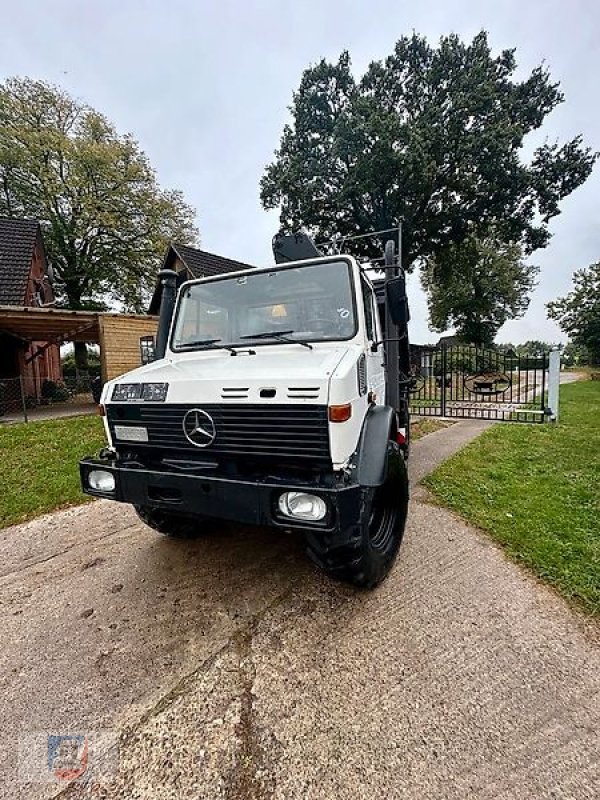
[432, 136]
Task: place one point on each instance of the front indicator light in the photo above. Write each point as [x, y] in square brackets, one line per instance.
[100, 480]
[301, 505]
[340, 413]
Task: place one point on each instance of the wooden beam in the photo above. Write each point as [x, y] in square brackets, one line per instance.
[69, 336]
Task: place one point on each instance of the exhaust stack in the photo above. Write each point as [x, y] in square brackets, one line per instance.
[168, 279]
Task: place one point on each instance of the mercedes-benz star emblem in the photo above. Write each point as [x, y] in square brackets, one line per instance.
[199, 427]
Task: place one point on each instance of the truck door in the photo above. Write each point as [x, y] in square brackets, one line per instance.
[374, 360]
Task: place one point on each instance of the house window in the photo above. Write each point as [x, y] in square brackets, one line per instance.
[147, 345]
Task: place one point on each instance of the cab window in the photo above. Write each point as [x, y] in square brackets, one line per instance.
[368, 306]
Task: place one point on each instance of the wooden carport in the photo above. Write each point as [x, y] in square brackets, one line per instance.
[118, 335]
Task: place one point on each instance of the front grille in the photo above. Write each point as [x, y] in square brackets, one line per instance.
[286, 432]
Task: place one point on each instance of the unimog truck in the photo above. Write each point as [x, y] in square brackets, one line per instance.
[275, 399]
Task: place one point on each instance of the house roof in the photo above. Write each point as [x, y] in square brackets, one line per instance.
[198, 264]
[57, 324]
[17, 240]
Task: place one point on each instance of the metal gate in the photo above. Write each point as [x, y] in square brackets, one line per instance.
[478, 383]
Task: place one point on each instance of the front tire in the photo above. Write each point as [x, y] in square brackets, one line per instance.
[176, 526]
[365, 553]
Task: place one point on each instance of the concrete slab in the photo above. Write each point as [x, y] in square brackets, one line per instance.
[232, 669]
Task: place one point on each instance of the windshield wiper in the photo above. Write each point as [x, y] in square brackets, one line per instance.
[206, 343]
[281, 336]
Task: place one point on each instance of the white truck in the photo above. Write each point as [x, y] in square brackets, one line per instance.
[269, 404]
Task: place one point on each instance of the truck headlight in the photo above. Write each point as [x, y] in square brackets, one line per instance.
[101, 480]
[157, 392]
[154, 392]
[301, 505]
[126, 391]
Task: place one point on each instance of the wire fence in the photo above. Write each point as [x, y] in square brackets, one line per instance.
[29, 397]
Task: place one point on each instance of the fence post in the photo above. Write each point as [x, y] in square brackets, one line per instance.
[23, 398]
[553, 382]
[443, 382]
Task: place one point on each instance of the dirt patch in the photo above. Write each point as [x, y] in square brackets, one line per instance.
[423, 427]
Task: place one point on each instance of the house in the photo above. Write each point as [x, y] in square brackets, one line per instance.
[25, 281]
[189, 262]
[32, 329]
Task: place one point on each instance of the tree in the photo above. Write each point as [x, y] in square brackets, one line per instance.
[106, 222]
[574, 355]
[431, 136]
[535, 348]
[476, 287]
[578, 313]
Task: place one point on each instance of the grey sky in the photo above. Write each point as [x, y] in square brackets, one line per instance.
[204, 87]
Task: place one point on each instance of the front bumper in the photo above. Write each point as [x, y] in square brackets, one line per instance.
[246, 501]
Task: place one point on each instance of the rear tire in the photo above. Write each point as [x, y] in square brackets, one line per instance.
[366, 552]
[177, 526]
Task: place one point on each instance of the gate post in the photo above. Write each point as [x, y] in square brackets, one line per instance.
[553, 383]
[443, 382]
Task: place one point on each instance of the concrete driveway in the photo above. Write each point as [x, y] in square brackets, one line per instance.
[231, 668]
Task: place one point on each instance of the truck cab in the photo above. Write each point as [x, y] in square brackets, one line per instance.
[268, 407]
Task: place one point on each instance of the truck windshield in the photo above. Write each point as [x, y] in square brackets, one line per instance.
[307, 303]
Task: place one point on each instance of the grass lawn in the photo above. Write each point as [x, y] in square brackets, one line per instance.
[40, 465]
[536, 489]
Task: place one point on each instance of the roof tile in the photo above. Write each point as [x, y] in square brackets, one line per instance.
[17, 240]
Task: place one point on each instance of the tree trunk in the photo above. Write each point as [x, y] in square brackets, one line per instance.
[81, 357]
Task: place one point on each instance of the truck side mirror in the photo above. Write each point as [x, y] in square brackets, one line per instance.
[395, 290]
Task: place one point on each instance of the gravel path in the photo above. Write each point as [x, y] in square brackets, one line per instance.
[232, 669]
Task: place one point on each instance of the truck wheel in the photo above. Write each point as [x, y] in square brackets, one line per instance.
[175, 525]
[365, 553]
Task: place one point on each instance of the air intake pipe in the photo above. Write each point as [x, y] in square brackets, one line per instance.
[168, 280]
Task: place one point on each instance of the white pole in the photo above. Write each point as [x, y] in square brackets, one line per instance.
[553, 382]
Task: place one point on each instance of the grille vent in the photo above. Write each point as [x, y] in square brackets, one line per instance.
[293, 433]
[303, 392]
[234, 391]
[362, 375]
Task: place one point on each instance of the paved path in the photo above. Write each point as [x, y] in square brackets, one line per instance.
[58, 411]
[233, 669]
[571, 377]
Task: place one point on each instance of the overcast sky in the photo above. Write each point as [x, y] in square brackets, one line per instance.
[204, 86]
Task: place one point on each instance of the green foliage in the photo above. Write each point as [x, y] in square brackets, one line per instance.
[431, 136]
[40, 463]
[476, 287]
[93, 364]
[532, 347]
[106, 222]
[534, 488]
[55, 391]
[574, 355]
[578, 313]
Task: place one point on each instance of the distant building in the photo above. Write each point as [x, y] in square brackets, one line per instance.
[452, 340]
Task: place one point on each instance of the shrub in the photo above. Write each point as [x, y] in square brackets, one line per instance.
[55, 391]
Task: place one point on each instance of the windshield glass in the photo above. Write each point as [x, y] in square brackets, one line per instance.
[311, 303]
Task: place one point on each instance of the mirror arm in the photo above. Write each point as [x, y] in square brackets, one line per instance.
[377, 344]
